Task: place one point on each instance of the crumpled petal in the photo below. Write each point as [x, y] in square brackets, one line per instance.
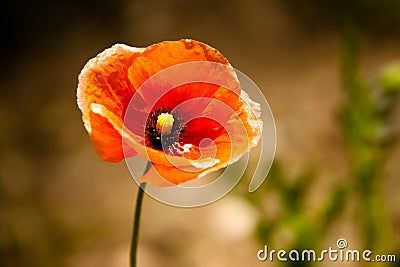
[104, 81]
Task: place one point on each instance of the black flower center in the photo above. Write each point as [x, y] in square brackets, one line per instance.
[163, 129]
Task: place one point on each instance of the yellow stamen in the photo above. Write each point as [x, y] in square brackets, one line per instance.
[165, 121]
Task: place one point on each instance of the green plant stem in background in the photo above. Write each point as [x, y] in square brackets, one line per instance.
[365, 119]
[367, 125]
[136, 221]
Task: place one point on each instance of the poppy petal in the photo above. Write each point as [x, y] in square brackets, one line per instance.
[106, 132]
[162, 55]
[250, 114]
[161, 175]
[158, 58]
[104, 81]
[230, 147]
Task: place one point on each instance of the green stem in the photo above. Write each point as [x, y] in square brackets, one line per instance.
[136, 221]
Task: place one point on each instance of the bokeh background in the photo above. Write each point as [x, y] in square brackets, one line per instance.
[328, 70]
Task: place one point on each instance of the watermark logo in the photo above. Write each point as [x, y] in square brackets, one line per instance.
[162, 84]
[341, 254]
[341, 243]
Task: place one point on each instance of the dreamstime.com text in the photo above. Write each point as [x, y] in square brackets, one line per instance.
[341, 254]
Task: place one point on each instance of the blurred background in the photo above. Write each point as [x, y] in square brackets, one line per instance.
[330, 71]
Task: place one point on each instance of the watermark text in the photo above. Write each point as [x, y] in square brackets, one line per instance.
[340, 253]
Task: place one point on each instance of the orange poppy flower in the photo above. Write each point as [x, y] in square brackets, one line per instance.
[186, 129]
